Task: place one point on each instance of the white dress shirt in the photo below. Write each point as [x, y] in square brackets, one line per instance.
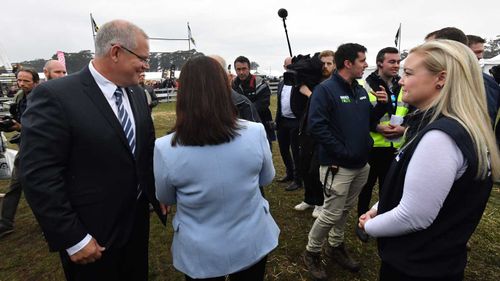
[108, 89]
[286, 94]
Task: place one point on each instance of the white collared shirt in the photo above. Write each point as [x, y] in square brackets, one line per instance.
[286, 109]
[108, 89]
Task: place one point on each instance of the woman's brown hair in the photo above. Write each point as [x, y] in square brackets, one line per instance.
[205, 111]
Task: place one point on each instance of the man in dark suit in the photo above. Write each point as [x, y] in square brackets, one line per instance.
[86, 167]
[287, 125]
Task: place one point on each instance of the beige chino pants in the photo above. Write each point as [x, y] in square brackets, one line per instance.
[344, 188]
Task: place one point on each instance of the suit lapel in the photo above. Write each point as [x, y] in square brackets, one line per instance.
[95, 94]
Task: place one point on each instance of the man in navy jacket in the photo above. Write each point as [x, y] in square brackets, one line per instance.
[340, 118]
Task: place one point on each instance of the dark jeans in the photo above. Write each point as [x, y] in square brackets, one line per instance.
[288, 138]
[127, 263]
[11, 198]
[380, 161]
[254, 273]
[389, 273]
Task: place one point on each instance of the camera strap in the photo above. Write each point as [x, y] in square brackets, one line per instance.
[330, 171]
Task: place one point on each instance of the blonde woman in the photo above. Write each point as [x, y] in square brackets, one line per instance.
[440, 181]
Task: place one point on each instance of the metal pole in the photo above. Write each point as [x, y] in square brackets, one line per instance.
[400, 35]
[92, 27]
[287, 39]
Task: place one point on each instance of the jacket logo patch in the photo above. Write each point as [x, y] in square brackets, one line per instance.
[345, 99]
[362, 98]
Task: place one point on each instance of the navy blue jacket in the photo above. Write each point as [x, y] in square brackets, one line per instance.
[492, 96]
[340, 118]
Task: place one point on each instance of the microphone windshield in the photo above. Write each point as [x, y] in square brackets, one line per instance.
[283, 13]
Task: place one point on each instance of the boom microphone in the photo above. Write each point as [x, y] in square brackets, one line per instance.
[283, 13]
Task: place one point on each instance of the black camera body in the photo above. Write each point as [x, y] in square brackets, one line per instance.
[6, 123]
[304, 70]
[290, 78]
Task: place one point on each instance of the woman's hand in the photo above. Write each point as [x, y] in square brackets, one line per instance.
[366, 217]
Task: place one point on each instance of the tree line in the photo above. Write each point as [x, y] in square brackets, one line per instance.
[158, 61]
[165, 60]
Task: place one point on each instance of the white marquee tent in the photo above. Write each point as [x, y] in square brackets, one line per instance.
[487, 64]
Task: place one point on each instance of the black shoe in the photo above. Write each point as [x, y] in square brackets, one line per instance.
[362, 235]
[340, 256]
[4, 231]
[314, 265]
[286, 179]
[293, 186]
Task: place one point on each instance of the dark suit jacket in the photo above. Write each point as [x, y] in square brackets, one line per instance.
[77, 170]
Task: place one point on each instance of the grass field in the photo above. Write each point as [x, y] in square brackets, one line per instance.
[24, 254]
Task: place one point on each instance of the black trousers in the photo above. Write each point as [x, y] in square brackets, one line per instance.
[126, 263]
[389, 273]
[288, 139]
[309, 170]
[380, 160]
[254, 273]
[313, 188]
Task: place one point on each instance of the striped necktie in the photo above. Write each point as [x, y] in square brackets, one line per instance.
[125, 120]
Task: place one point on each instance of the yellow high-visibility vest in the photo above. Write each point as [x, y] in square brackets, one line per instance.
[401, 110]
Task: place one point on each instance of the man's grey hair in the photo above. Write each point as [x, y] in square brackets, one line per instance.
[119, 32]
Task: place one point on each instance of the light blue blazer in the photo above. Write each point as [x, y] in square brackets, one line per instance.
[222, 224]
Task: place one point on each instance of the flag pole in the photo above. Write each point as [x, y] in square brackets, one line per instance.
[189, 38]
[400, 32]
[92, 27]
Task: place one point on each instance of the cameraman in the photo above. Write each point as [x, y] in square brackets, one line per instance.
[27, 79]
[321, 68]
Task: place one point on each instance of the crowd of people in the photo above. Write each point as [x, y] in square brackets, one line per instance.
[92, 170]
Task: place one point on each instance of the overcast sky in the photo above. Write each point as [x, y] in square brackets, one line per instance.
[33, 29]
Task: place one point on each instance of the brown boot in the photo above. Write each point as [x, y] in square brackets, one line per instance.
[314, 265]
[341, 256]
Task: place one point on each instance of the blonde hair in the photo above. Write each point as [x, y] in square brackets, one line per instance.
[463, 98]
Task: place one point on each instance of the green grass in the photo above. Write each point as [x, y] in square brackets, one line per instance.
[24, 254]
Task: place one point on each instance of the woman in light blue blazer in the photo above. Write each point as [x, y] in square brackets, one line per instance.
[211, 167]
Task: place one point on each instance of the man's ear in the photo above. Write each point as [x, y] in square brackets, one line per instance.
[114, 53]
[347, 64]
